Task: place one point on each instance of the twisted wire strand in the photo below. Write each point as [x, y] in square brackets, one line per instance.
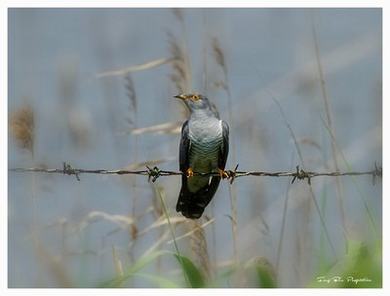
[154, 173]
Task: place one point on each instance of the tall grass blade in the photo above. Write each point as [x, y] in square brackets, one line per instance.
[329, 119]
[158, 192]
[162, 282]
[349, 167]
[130, 272]
[322, 220]
[194, 276]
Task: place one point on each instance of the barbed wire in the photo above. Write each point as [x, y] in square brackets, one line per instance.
[154, 173]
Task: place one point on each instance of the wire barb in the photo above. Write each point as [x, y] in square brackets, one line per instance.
[376, 173]
[300, 174]
[153, 174]
[232, 174]
[69, 170]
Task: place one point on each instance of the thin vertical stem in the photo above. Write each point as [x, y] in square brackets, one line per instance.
[330, 124]
[172, 231]
[232, 187]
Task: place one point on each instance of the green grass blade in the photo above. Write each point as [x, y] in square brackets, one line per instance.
[166, 213]
[265, 277]
[138, 265]
[162, 282]
[192, 273]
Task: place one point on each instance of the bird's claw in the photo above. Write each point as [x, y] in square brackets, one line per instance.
[223, 174]
[189, 173]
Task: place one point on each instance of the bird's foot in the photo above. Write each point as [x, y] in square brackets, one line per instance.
[189, 173]
[223, 174]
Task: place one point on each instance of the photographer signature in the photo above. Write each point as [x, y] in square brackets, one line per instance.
[340, 279]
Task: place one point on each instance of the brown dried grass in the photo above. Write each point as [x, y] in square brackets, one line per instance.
[22, 127]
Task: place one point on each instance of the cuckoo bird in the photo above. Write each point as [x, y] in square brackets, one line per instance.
[204, 148]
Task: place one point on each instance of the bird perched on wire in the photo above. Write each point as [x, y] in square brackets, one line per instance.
[204, 148]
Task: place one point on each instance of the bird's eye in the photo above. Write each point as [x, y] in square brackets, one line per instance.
[195, 97]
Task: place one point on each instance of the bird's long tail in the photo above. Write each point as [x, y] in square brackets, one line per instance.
[192, 204]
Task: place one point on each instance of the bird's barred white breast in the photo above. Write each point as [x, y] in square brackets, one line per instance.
[206, 140]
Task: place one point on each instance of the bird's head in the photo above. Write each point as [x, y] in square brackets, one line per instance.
[195, 101]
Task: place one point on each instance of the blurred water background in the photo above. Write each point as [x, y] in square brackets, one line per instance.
[60, 230]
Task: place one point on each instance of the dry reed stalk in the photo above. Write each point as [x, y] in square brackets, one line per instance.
[132, 121]
[178, 13]
[181, 72]
[192, 231]
[117, 263]
[158, 129]
[22, 127]
[199, 247]
[213, 240]
[205, 52]
[132, 95]
[55, 266]
[181, 52]
[157, 244]
[162, 221]
[123, 222]
[136, 68]
[219, 57]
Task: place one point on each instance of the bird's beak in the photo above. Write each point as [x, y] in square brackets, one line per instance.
[181, 97]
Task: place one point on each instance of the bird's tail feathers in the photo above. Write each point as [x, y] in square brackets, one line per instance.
[192, 204]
